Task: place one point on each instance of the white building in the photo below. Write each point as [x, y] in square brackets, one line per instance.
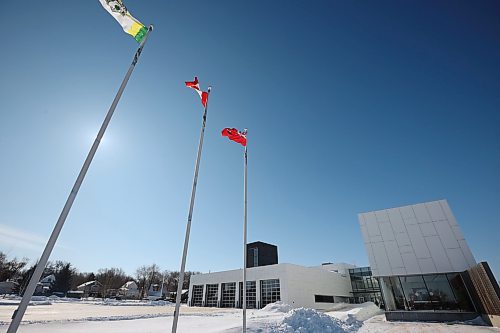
[312, 287]
[129, 290]
[420, 256]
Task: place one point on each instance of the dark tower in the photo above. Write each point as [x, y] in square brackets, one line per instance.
[261, 254]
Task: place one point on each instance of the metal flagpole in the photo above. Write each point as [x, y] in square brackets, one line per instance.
[245, 246]
[19, 313]
[190, 216]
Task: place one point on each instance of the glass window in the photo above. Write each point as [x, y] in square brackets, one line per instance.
[416, 293]
[197, 295]
[211, 294]
[440, 293]
[396, 290]
[323, 299]
[269, 291]
[228, 295]
[251, 295]
[460, 291]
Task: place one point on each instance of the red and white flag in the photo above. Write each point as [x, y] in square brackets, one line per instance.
[203, 95]
[235, 135]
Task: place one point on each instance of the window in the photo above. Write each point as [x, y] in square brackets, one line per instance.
[269, 291]
[323, 299]
[251, 295]
[416, 293]
[228, 291]
[440, 293]
[211, 294]
[255, 257]
[460, 292]
[430, 292]
[197, 296]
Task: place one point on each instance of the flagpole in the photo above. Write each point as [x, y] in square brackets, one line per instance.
[245, 246]
[190, 216]
[30, 289]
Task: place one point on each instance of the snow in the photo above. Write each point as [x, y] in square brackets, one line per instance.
[277, 307]
[308, 320]
[112, 316]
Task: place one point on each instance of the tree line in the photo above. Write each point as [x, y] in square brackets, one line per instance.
[67, 276]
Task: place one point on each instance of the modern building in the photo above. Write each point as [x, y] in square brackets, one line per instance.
[312, 287]
[422, 262]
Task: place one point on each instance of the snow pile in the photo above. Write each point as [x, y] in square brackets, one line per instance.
[277, 307]
[304, 320]
[114, 302]
[367, 311]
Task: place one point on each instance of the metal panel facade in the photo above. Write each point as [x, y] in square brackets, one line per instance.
[417, 239]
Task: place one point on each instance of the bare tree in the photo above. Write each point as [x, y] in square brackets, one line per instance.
[111, 278]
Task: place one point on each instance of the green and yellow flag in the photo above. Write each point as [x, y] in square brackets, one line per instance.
[129, 24]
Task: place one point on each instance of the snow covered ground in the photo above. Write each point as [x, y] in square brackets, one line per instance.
[64, 315]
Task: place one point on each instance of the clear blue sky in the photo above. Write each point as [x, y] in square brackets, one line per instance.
[351, 106]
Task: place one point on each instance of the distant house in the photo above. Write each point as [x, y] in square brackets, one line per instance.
[8, 287]
[129, 290]
[155, 291]
[43, 287]
[90, 289]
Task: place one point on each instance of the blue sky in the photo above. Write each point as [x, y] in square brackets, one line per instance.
[351, 106]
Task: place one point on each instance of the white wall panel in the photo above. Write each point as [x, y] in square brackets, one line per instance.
[446, 234]
[467, 252]
[428, 229]
[372, 225]
[386, 231]
[364, 231]
[370, 218]
[393, 254]
[447, 211]
[380, 254]
[417, 241]
[381, 216]
[435, 210]
[427, 265]
[399, 271]
[457, 232]
[371, 257]
[396, 221]
[438, 253]
[411, 263]
[403, 240]
[421, 213]
[457, 258]
[406, 249]
[407, 212]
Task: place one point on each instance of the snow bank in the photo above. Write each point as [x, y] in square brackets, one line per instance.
[308, 320]
[114, 302]
[367, 311]
[277, 307]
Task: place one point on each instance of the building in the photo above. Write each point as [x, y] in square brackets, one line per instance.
[45, 285]
[90, 289]
[8, 287]
[261, 254]
[268, 281]
[129, 290]
[423, 264]
[365, 287]
[312, 287]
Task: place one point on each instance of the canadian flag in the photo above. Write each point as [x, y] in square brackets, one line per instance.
[235, 135]
[203, 94]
